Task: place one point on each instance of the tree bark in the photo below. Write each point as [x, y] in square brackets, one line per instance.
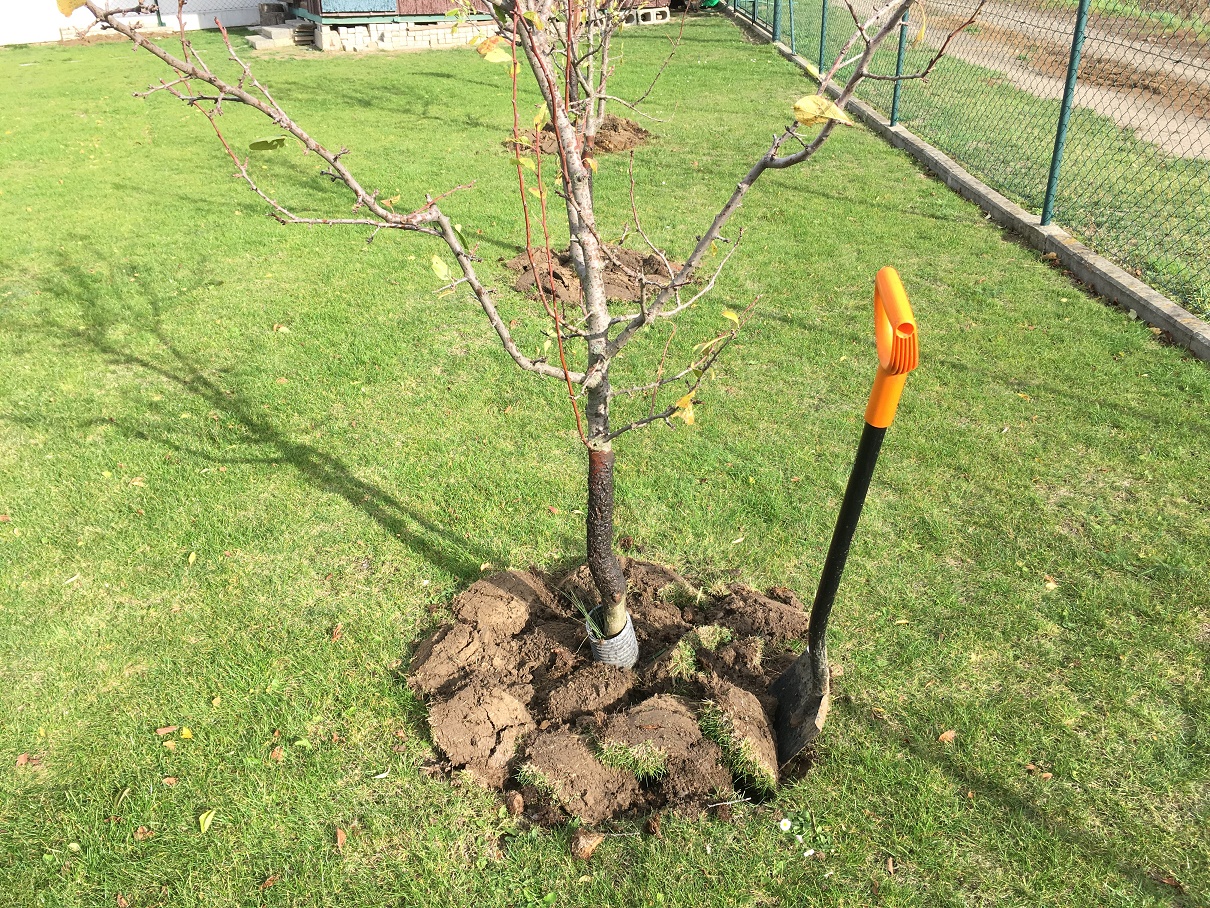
[602, 562]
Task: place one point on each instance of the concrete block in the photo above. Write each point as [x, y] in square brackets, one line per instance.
[278, 32]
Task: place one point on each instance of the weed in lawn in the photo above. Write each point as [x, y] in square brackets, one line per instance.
[682, 662]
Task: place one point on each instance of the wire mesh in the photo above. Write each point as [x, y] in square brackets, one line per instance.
[1135, 177]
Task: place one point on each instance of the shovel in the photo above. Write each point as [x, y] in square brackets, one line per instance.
[803, 690]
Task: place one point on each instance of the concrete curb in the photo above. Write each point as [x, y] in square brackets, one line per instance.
[1103, 276]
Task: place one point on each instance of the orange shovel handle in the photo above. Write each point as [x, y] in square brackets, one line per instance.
[898, 350]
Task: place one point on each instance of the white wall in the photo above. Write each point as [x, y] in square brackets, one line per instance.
[32, 21]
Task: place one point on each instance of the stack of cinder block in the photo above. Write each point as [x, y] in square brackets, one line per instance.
[399, 35]
[649, 15]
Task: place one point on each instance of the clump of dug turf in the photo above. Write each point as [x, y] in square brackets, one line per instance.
[616, 134]
[626, 270]
[516, 703]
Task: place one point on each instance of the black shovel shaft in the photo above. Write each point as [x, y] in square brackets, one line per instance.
[842, 538]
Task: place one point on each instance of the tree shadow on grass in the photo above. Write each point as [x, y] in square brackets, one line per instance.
[1092, 849]
[319, 469]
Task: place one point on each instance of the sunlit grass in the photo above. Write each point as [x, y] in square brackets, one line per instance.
[360, 467]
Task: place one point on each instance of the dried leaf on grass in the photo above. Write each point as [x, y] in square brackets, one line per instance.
[1168, 879]
[341, 838]
[515, 803]
[584, 843]
[947, 737]
[142, 834]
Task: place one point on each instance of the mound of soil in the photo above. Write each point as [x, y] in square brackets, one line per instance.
[616, 134]
[621, 274]
[516, 703]
[619, 134]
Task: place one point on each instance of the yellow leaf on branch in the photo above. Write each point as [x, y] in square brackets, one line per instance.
[684, 408]
[542, 117]
[815, 109]
[488, 44]
[924, 24]
[67, 7]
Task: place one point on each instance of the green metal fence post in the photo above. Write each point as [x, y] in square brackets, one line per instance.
[753, 12]
[899, 69]
[776, 20]
[823, 34]
[1069, 90]
[793, 46]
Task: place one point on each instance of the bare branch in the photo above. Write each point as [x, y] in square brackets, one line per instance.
[924, 73]
[633, 105]
[227, 91]
[698, 370]
[676, 44]
[487, 303]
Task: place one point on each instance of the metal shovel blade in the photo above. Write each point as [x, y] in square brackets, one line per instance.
[803, 696]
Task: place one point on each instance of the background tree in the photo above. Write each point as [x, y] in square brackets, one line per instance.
[567, 46]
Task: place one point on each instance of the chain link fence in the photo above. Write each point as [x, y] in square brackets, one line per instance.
[1094, 114]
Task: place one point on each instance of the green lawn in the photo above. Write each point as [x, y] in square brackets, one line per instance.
[195, 500]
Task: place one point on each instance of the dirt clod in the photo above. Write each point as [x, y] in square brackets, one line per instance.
[479, 728]
[579, 782]
[745, 714]
[751, 614]
[663, 722]
[516, 703]
[498, 606]
[590, 688]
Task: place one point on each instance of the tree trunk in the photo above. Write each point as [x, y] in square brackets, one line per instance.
[588, 256]
[602, 562]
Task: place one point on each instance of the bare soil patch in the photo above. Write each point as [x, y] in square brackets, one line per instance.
[1160, 83]
[616, 134]
[1143, 77]
[1160, 87]
[516, 703]
[626, 271]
